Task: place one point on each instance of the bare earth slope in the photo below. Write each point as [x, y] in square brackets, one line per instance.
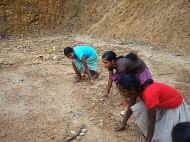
[164, 23]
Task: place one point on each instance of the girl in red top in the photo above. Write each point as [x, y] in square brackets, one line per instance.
[161, 108]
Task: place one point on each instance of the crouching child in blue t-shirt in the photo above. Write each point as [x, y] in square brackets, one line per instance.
[84, 61]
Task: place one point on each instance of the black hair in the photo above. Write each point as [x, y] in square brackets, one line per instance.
[146, 83]
[68, 50]
[132, 56]
[181, 132]
[129, 82]
[118, 57]
[109, 55]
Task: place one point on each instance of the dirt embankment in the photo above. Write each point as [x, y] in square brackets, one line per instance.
[164, 23]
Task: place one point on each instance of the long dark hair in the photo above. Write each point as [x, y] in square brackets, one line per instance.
[110, 56]
[132, 56]
[130, 81]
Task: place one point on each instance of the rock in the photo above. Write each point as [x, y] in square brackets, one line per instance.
[122, 113]
[84, 130]
[54, 57]
[78, 138]
[82, 134]
[102, 99]
[52, 137]
[92, 118]
[101, 123]
[73, 132]
[53, 48]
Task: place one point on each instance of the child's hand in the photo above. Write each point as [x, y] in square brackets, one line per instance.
[78, 78]
[120, 127]
[91, 81]
[106, 94]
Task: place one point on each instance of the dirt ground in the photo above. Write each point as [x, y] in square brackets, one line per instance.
[39, 101]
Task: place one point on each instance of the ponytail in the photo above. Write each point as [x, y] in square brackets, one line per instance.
[132, 56]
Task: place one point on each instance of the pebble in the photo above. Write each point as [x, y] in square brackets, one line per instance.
[54, 57]
[122, 113]
[78, 138]
[82, 134]
[84, 130]
[73, 132]
[101, 123]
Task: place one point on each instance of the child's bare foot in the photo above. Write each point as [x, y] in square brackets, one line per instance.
[78, 79]
[96, 75]
[91, 82]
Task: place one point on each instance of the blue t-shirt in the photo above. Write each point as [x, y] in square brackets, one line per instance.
[86, 51]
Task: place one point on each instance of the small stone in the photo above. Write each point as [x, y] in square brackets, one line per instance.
[73, 132]
[101, 124]
[78, 138]
[82, 134]
[84, 130]
[122, 113]
[93, 104]
[52, 137]
[53, 48]
[54, 57]
[102, 99]
[91, 118]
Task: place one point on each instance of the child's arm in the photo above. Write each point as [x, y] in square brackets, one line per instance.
[109, 86]
[76, 71]
[128, 113]
[151, 123]
[86, 69]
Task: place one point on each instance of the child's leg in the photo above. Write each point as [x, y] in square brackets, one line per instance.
[77, 70]
[141, 116]
[92, 64]
[166, 120]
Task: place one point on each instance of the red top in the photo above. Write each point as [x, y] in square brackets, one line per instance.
[161, 95]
